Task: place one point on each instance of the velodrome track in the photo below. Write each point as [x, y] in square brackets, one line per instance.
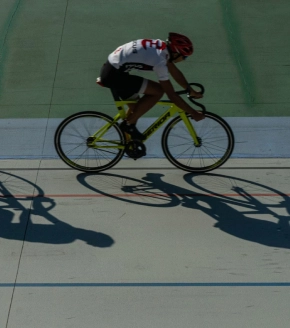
[144, 244]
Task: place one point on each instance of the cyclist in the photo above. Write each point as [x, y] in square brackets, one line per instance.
[148, 54]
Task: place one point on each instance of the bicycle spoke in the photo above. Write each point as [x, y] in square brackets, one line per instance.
[215, 144]
[78, 151]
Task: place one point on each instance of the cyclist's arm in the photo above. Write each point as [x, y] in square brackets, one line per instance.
[181, 80]
[178, 101]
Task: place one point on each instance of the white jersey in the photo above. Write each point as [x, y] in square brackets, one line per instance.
[143, 54]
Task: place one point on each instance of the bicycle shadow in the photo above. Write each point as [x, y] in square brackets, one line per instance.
[238, 211]
[54, 232]
[253, 220]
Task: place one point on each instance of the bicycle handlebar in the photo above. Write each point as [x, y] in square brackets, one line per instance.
[191, 99]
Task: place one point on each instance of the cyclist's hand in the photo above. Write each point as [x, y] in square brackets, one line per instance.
[195, 95]
[197, 116]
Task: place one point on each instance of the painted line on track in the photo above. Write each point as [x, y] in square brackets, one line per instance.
[146, 168]
[142, 195]
[185, 284]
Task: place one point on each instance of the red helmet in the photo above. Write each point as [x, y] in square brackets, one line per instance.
[180, 43]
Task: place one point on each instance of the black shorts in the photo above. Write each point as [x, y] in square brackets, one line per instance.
[124, 84]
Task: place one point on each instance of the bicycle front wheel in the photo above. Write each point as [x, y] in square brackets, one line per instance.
[89, 141]
[216, 143]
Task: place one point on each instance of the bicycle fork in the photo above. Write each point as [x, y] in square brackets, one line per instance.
[191, 130]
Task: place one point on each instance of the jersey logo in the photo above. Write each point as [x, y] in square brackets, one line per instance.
[139, 66]
[158, 44]
[134, 46]
[117, 50]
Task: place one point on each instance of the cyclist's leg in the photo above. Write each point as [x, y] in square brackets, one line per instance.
[128, 85]
[152, 94]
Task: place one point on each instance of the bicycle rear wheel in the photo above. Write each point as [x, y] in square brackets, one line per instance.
[216, 143]
[77, 148]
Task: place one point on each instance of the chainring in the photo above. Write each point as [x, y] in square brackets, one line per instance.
[135, 149]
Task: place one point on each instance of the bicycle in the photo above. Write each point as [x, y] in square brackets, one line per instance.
[93, 141]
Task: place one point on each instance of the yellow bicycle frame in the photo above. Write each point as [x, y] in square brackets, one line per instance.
[120, 104]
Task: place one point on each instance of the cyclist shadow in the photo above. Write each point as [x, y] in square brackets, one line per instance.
[21, 227]
[238, 212]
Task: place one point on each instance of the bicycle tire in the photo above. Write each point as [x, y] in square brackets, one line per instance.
[71, 145]
[217, 143]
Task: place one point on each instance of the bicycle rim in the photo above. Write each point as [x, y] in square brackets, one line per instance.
[71, 142]
[216, 144]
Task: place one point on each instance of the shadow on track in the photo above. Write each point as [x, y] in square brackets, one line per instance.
[241, 208]
[20, 195]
